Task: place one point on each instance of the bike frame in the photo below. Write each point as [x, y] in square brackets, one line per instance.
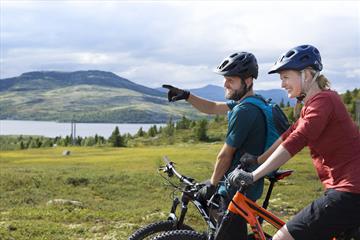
[252, 212]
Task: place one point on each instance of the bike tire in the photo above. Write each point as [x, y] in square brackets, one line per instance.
[181, 235]
[150, 231]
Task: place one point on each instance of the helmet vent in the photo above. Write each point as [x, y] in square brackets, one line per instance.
[224, 64]
[235, 54]
[304, 58]
[289, 54]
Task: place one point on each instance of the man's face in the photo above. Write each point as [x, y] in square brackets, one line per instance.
[234, 88]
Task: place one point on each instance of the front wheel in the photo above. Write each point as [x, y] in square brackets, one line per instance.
[151, 230]
[181, 235]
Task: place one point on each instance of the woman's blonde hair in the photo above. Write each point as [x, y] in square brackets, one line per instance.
[322, 82]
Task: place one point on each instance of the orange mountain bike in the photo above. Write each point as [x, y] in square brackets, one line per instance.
[242, 206]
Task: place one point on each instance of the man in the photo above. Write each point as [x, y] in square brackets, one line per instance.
[246, 128]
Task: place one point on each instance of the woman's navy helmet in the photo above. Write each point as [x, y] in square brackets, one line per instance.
[241, 64]
[298, 59]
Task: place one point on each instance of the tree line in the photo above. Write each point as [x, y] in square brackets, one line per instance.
[183, 130]
[116, 139]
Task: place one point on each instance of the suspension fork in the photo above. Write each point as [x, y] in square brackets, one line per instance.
[172, 214]
[184, 207]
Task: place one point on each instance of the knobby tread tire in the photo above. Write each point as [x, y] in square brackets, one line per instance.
[155, 228]
[181, 235]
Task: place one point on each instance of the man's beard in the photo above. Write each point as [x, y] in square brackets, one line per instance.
[237, 94]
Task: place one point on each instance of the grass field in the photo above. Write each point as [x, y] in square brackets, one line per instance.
[119, 188]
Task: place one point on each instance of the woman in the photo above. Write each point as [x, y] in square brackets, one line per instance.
[334, 142]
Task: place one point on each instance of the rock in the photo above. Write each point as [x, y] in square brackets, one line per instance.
[12, 228]
[66, 153]
[65, 202]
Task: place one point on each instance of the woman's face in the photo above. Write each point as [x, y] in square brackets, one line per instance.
[291, 82]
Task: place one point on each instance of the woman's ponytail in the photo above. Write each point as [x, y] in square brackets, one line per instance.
[323, 82]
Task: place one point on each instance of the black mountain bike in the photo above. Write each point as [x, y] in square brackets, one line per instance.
[189, 189]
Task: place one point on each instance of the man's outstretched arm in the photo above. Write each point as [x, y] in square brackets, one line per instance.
[201, 104]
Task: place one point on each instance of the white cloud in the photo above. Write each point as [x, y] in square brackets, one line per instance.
[178, 41]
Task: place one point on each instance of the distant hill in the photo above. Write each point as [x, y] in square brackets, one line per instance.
[217, 93]
[46, 80]
[85, 96]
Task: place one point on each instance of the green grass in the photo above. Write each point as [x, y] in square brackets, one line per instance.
[120, 189]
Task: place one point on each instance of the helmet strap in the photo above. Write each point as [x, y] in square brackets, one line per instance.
[303, 91]
[302, 95]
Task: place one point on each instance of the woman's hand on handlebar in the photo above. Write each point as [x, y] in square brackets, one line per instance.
[239, 177]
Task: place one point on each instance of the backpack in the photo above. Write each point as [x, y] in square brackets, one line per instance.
[276, 121]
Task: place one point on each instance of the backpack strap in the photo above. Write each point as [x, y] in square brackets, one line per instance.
[266, 109]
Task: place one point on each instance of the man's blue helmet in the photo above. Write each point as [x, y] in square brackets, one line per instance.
[298, 59]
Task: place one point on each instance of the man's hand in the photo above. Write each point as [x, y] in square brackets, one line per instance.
[176, 94]
[239, 177]
[247, 160]
[206, 192]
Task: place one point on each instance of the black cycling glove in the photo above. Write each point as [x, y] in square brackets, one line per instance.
[176, 94]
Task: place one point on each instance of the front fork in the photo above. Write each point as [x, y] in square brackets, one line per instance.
[172, 215]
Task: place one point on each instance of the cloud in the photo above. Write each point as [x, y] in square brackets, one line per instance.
[180, 42]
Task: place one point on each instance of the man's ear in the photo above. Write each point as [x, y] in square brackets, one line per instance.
[249, 81]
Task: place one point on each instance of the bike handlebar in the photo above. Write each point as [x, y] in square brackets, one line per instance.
[170, 170]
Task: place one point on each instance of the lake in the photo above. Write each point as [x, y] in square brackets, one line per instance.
[53, 129]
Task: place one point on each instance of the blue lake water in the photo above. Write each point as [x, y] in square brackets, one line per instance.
[53, 129]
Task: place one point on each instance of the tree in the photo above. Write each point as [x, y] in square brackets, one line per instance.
[169, 130]
[152, 131]
[347, 97]
[184, 123]
[47, 143]
[288, 104]
[115, 139]
[282, 104]
[67, 140]
[89, 141]
[201, 130]
[356, 92]
[22, 146]
[35, 143]
[141, 132]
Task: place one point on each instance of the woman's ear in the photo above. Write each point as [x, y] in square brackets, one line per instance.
[308, 75]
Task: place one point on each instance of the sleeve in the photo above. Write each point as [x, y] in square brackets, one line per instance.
[287, 133]
[310, 126]
[239, 125]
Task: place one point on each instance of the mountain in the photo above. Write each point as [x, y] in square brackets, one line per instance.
[46, 80]
[85, 96]
[217, 93]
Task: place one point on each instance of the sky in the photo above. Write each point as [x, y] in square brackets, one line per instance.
[177, 42]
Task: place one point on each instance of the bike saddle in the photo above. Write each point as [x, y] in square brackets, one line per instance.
[281, 174]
